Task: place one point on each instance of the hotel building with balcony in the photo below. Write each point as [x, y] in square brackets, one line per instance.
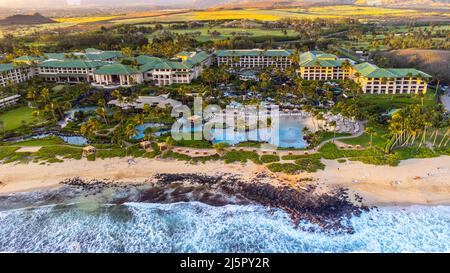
[375, 80]
[15, 73]
[320, 66]
[254, 58]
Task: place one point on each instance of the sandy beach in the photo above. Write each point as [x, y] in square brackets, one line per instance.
[416, 181]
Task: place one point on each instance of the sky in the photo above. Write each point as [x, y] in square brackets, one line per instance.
[200, 3]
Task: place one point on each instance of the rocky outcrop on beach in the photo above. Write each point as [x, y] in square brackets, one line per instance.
[327, 210]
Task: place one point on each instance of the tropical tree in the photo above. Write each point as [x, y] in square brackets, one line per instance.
[130, 130]
[148, 134]
[44, 95]
[333, 124]
[90, 127]
[101, 111]
[139, 119]
[127, 52]
[220, 147]
[32, 94]
[370, 131]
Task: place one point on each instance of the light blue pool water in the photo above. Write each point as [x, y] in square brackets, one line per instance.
[290, 134]
[140, 129]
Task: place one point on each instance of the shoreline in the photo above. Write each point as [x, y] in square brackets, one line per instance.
[413, 182]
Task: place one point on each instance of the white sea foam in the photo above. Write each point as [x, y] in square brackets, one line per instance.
[196, 227]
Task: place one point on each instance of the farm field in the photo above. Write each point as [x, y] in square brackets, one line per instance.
[80, 20]
[15, 118]
[327, 12]
[276, 14]
[229, 32]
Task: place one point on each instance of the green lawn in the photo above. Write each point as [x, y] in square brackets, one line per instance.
[377, 104]
[50, 141]
[227, 33]
[16, 118]
[378, 139]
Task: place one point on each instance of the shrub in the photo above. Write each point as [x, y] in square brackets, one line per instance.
[50, 153]
[241, 156]
[7, 151]
[269, 158]
[288, 168]
[310, 165]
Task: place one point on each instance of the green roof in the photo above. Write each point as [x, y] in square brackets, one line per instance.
[321, 63]
[197, 59]
[116, 69]
[143, 59]
[149, 63]
[372, 71]
[163, 64]
[72, 64]
[254, 52]
[10, 66]
[307, 59]
[184, 53]
[90, 54]
[90, 50]
[317, 58]
[27, 59]
[6, 67]
[103, 55]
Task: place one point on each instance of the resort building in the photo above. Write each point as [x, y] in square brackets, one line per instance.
[254, 58]
[12, 73]
[375, 80]
[8, 101]
[117, 75]
[320, 66]
[68, 71]
[108, 69]
[90, 54]
[186, 66]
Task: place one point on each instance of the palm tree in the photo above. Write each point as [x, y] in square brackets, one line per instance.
[220, 147]
[89, 128]
[130, 130]
[45, 94]
[146, 109]
[139, 119]
[32, 94]
[333, 123]
[50, 108]
[148, 134]
[101, 111]
[169, 143]
[370, 131]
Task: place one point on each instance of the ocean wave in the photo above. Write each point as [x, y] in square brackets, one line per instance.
[197, 227]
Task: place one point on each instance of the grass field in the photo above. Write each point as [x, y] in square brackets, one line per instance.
[15, 118]
[227, 32]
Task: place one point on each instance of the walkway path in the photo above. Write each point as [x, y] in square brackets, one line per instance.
[446, 100]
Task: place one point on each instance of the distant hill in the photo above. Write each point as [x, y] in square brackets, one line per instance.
[434, 62]
[20, 19]
[404, 3]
